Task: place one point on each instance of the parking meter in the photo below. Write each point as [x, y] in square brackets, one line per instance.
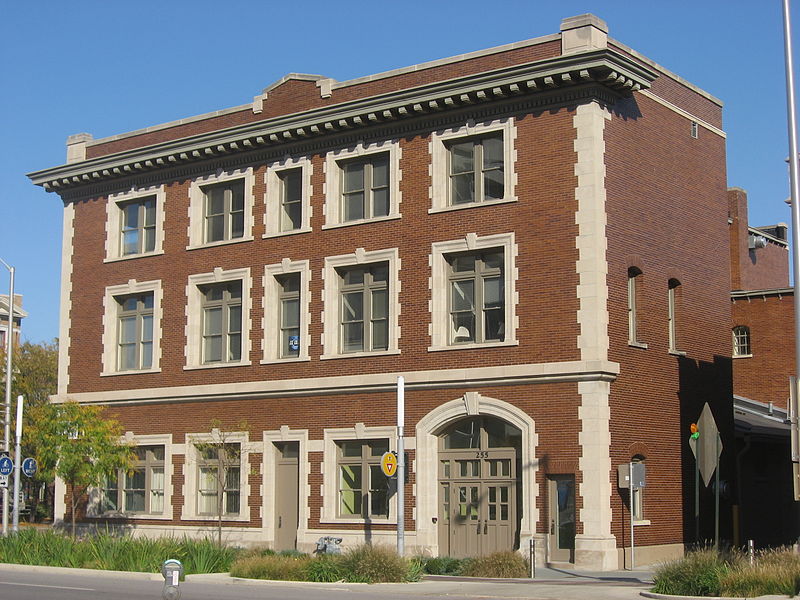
[172, 570]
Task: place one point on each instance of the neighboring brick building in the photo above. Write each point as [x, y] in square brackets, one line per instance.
[763, 353]
[528, 234]
[19, 314]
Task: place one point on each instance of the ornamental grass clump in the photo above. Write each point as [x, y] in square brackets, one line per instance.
[443, 565]
[505, 565]
[696, 574]
[774, 572]
[376, 564]
[272, 566]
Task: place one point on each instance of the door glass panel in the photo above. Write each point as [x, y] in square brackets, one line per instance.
[468, 468]
[464, 434]
[565, 489]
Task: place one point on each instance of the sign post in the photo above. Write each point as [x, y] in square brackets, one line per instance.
[401, 466]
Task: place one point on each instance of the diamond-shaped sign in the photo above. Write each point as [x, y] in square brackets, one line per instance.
[708, 446]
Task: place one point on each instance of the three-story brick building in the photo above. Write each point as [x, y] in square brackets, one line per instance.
[529, 234]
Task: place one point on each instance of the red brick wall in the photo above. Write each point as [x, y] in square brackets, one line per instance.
[765, 376]
[667, 213]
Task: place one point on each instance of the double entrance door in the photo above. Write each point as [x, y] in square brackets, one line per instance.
[477, 501]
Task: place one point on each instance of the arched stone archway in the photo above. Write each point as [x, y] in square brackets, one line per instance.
[428, 430]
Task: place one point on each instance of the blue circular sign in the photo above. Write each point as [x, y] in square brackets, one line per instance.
[6, 465]
[29, 467]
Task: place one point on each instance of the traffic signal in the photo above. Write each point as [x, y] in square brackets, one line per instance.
[695, 431]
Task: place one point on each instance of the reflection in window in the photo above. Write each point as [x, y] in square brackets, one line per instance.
[476, 297]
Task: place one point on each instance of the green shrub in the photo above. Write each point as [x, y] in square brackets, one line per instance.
[374, 564]
[326, 568]
[696, 574]
[506, 564]
[443, 565]
[276, 566]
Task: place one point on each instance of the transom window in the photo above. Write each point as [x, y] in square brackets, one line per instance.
[140, 490]
[291, 214]
[365, 187]
[222, 322]
[135, 332]
[673, 301]
[476, 169]
[289, 314]
[476, 297]
[224, 210]
[363, 488]
[138, 226]
[634, 285]
[741, 341]
[219, 476]
[364, 307]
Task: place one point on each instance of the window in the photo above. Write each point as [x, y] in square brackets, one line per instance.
[694, 129]
[634, 293]
[140, 490]
[637, 495]
[363, 489]
[138, 235]
[218, 319]
[477, 298]
[473, 165]
[476, 169]
[741, 341]
[222, 322]
[288, 197]
[365, 188]
[362, 184]
[224, 211]
[221, 208]
[473, 284]
[286, 311]
[218, 479]
[135, 223]
[673, 301]
[364, 313]
[289, 314]
[131, 328]
[135, 332]
[361, 303]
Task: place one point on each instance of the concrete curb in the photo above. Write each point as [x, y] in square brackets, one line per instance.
[670, 597]
[68, 570]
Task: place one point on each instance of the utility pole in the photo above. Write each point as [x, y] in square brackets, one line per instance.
[9, 371]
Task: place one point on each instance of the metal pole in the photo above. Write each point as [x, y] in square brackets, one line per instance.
[401, 466]
[17, 463]
[793, 176]
[9, 371]
[630, 511]
[698, 445]
[716, 496]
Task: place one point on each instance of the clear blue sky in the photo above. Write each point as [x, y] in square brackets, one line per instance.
[107, 67]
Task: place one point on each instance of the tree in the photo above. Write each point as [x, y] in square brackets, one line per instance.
[74, 442]
[220, 470]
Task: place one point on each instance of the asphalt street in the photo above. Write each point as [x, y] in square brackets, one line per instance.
[18, 582]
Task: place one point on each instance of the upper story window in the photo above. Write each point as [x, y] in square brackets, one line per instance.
[132, 327]
[674, 293]
[477, 297]
[221, 208]
[288, 197]
[135, 223]
[362, 184]
[741, 341]
[218, 311]
[473, 165]
[634, 312]
[222, 322]
[473, 292]
[364, 298]
[224, 211]
[135, 332]
[286, 308]
[361, 303]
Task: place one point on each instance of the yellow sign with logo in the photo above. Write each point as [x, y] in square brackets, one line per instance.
[389, 464]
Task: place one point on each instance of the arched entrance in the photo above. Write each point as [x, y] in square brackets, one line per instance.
[479, 477]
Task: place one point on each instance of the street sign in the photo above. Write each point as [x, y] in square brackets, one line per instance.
[6, 465]
[389, 464]
[3, 481]
[709, 442]
[29, 467]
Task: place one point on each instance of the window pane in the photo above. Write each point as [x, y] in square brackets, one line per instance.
[462, 158]
[212, 350]
[292, 215]
[493, 260]
[147, 328]
[157, 490]
[492, 153]
[493, 184]
[380, 202]
[378, 447]
[463, 188]
[149, 212]
[215, 228]
[352, 307]
[493, 292]
[127, 330]
[462, 264]
[380, 304]
[378, 492]
[213, 321]
[234, 319]
[237, 225]
[130, 242]
[353, 276]
[134, 500]
[290, 315]
[380, 335]
[463, 295]
[147, 355]
[464, 434]
[464, 327]
[353, 177]
[380, 272]
[350, 449]
[380, 172]
[354, 206]
[353, 334]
